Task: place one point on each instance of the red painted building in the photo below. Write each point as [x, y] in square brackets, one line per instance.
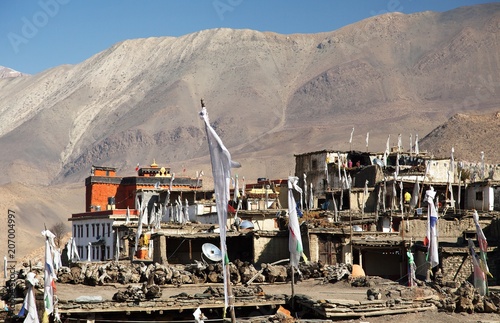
[109, 198]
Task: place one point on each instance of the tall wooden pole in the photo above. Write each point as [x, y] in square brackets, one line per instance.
[230, 295]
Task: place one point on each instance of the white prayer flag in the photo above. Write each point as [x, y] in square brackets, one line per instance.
[145, 214]
[75, 255]
[417, 151]
[178, 210]
[117, 250]
[221, 171]
[432, 229]
[186, 211]
[139, 228]
[387, 150]
[171, 181]
[89, 249]
[29, 305]
[49, 274]
[352, 132]
[295, 239]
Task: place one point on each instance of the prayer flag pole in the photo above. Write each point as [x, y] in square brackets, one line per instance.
[221, 171]
[294, 236]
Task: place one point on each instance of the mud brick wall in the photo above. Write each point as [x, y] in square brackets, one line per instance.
[449, 229]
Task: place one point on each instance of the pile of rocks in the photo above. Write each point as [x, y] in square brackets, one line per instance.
[342, 308]
[449, 297]
[384, 298]
[463, 297]
[138, 293]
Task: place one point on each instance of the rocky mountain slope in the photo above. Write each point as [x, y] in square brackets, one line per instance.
[269, 96]
[469, 135]
[6, 72]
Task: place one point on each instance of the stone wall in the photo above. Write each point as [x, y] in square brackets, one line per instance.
[456, 266]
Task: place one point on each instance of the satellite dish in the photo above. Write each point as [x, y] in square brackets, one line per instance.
[211, 252]
[245, 224]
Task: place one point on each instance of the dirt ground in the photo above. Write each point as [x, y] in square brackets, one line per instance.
[315, 289]
[312, 288]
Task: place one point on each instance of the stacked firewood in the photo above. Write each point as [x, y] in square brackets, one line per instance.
[240, 273]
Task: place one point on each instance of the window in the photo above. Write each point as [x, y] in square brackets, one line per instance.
[87, 251]
[74, 231]
[97, 229]
[109, 230]
[93, 229]
[87, 230]
[107, 251]
[479, 196]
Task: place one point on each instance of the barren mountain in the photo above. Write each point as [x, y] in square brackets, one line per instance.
[269, 96]
[469, 135]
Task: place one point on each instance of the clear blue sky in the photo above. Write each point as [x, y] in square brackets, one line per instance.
[39, 34]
